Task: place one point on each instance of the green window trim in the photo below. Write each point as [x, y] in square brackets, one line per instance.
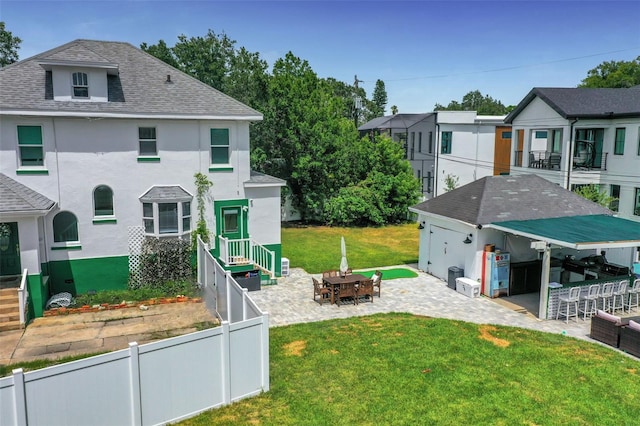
[148, 159]
[104, 221]
[220, 147]
[30, 146]
[220, 169]
[67, 247]
[32, 172]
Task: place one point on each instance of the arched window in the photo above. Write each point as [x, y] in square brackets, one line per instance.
[102, 201]
[65, 227]
[80, 85]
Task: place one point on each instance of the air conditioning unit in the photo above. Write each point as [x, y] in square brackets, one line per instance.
[284, 268]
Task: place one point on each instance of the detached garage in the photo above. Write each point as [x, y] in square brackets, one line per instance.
[516, 234]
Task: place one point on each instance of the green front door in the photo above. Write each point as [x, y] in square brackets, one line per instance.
[231, 219]
[9, 249]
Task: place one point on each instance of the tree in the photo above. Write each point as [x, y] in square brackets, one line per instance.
[614, 74]
[9, 46]
[592, 192]
[475, 101]
[451, 182]
[379, 99]
[162, 52]
[382, 190]
[394, 109]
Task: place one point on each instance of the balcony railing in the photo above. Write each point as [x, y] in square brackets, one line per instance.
[553, 161]
[246, 251]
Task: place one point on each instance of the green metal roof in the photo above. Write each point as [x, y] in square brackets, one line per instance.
[579, 232]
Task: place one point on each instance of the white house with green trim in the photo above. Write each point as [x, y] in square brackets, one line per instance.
[100, 141]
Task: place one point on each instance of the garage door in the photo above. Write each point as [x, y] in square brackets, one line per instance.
[446, 249]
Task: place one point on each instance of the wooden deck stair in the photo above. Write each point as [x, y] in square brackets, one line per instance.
[9, 310]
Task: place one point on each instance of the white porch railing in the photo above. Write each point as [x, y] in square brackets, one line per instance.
[246, 251]
[23, 298]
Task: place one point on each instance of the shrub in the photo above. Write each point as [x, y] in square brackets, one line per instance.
[164, 260]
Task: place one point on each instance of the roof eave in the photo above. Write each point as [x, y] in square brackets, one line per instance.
[169, 116]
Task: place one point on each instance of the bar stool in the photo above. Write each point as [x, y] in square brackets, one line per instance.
[572, 298]
[605, 295]
[590, 301]
[620, 293]
[632, 296]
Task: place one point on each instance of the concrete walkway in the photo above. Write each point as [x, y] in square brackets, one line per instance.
[105, 331]
[291, 301]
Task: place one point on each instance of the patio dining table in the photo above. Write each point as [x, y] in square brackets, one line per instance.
[334, 282]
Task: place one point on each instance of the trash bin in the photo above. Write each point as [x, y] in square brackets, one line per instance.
[248, 279]
[454, 272]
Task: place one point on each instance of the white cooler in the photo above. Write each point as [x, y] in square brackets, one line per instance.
[468, 287]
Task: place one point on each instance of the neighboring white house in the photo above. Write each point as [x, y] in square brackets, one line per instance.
[457, 144]
[417, 135]
[578, 136]
[100, 141]
[509, 213]
[467, 147]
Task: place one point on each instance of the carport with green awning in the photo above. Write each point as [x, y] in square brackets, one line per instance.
[576, 232]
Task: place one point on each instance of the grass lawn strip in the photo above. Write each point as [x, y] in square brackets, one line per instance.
[406, 369]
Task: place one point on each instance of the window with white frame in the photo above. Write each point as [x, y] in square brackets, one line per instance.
[30, 146]
[80, 85]
[102, 201]
[636, 201]
[65, 227]
[166, 211]
[147, 142]
[219, 146]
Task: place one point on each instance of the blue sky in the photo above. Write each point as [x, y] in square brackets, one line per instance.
[426, 52]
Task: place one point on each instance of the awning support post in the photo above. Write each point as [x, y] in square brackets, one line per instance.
[544, 282]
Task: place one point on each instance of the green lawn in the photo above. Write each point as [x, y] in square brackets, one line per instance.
[403, 369]
[317, 248]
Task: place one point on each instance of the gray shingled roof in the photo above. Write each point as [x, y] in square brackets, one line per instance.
[166, 193]
[18, 198]
[139, 89]
[397, 121]
[502, 198]
[257, 178]
[585, 102]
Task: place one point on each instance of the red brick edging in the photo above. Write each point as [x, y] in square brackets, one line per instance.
[106, 306]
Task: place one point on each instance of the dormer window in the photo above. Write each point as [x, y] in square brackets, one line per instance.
[80, 85]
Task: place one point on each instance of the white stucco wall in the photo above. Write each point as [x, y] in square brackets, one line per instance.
[81, 154]
[264, 225]
[472, 153]
[63, 83]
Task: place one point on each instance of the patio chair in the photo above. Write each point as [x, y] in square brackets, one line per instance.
[377, 280]
[618, 295]
[590, 301]
[327, 274]
[554, 161]
[345, 291]
[320, 290]
[633, 294]
[573, 298]
[364, 289]
[533, 163]
[605, 295]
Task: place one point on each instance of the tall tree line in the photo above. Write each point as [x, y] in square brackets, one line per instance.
[308, 135]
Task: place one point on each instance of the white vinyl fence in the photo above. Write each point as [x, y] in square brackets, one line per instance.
[158, 382]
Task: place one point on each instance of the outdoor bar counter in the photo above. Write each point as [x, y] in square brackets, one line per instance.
[557, 290]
